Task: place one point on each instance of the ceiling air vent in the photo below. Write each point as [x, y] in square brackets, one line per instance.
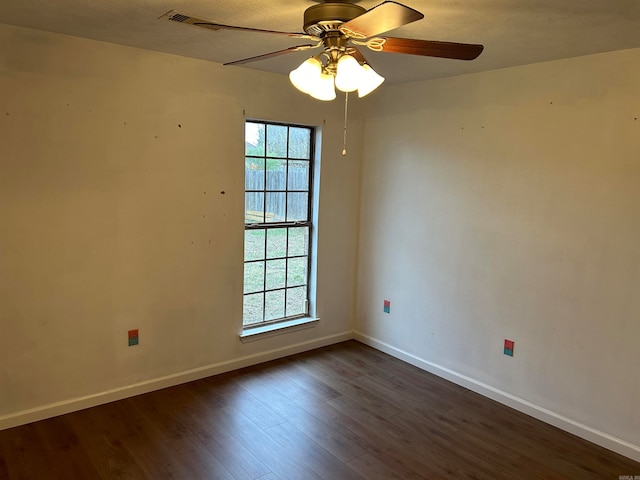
[175, 16]
[178, 17]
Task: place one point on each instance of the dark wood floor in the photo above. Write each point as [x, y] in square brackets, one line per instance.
[341, 412]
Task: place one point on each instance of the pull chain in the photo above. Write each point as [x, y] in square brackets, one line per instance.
[346, 104]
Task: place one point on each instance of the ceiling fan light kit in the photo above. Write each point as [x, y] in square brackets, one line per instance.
[369, 81]
[324, 89]
[339, 28]
[347, 75]
[307, 75]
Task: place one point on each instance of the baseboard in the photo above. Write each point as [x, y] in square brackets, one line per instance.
[576, 428]
[68, 406]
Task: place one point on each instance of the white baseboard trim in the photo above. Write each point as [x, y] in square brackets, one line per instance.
[68, 406]
[583, 431]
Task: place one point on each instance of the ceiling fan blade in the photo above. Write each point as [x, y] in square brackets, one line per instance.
[382, 18]
[175, 16]
[429, 48]
[296, 48]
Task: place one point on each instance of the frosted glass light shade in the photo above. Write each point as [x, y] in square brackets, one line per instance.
[307, 75]
[348, 74]
[324, 89]
[369, 81]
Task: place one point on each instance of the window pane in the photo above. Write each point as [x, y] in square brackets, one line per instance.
[254, 244]
[254, 174]
[298, 241]
[297, 271]
[276, 174]
[274, 305]
[278, 171]
[296, 298]
[297, 206]
[252, 311]
[275, 274]
[276, 243]
[276, 207]
[254, 139]
[299, 142]
[253, 277]
[253, 207]
[276, 141]
[298, 175]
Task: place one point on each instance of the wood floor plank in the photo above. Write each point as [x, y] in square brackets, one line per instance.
[275, 376]
[309, 452]
[119, 422]
[310, 383]
[105, 449]
[269, 392]
[170, 427]
[242, 399]
[4, 469]
[182, 412]
[25, 456]
[345, 411]
[323, 368]
[371, 467]
[61, 443]
[371, 434]
[267, 450]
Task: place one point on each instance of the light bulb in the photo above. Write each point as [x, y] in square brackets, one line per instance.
[369, 81]
[324, 89]
[307, 75]
[348, 74]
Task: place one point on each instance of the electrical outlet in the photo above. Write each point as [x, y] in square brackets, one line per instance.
[133, 337]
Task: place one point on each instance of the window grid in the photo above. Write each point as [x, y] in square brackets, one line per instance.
[283, 224]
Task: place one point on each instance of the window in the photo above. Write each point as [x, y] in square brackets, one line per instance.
[277, 222]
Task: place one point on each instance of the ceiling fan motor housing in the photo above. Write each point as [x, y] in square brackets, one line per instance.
[327, 17]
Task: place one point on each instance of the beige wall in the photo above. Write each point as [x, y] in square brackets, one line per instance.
[507, 205]
[113, 161]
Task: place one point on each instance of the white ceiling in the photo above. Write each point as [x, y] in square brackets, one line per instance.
[514, 32]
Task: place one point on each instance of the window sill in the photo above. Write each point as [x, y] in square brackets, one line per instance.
[258, 333]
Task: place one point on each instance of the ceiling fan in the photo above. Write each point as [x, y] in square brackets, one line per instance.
[339, 28]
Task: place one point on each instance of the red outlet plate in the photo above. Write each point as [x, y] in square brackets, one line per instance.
[508, 347]
[133, 337]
